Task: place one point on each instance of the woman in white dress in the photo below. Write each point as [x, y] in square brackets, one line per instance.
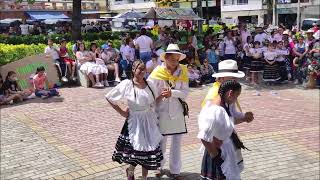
[87, 65]
[139, 142]
[101, 66]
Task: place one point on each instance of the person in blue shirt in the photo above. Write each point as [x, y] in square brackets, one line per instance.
[212, 57]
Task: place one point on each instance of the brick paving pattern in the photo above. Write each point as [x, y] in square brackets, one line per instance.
[73, 136]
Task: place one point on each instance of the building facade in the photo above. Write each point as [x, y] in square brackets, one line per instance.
[255, 11]
[12, 9]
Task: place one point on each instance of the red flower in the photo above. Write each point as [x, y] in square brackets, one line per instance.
[314, 62]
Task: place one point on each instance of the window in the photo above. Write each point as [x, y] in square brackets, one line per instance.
[234, 2]
[228, 2]
[242, 1]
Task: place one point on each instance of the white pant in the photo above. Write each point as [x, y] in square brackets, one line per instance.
[175, 153]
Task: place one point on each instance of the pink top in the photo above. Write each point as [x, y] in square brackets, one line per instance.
[39, 82]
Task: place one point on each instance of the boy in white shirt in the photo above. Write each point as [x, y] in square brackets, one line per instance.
[53, 52]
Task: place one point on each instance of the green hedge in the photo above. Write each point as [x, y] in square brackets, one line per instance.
[42, 39]
[10, 53]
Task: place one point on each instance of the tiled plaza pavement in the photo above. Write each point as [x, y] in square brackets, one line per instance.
[73, 136]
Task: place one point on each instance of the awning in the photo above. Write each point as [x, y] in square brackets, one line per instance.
[39, 15]
[93, 12]
[172, 14]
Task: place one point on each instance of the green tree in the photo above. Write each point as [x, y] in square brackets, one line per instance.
[29, 1]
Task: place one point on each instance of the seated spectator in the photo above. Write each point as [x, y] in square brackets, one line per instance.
[101, 66]
[11, 87]
[6, 98]
[111, 58]
[53, 52]
[206, 72]
[153, 63]
[40, 82]
[88, 66]
[71, 63]
[194, 76]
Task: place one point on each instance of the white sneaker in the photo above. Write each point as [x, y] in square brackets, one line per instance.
[124, 75]
[117, 80]
[289, 76]
[98, 85]
[31, 96]
[296, 82]
[106, 83]
[64, 79]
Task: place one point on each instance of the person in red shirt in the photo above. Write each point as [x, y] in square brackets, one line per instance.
[71, 64]
[40, 82]
[315, 27]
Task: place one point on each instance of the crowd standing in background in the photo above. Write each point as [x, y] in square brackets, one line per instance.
[268, 55]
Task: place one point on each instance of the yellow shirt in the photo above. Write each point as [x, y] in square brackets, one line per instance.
[213, 92]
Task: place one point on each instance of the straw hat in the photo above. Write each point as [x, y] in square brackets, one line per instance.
[173, 49]
[310, 31]
[286, 32]
[228, 68]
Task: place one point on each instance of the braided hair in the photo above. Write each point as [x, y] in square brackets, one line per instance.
[135, 66]
[224, 88]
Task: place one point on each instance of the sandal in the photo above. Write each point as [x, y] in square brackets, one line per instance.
[130, 174]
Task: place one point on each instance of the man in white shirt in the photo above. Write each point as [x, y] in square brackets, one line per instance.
[175, 88]
[261, 36]
[24, 29]
[145, 45]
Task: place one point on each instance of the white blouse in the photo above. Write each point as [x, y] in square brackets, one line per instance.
[144, 133]
[214, 121]
[270, 55]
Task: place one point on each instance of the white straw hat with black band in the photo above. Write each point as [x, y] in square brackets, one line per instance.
[173, 49]
[228, 68]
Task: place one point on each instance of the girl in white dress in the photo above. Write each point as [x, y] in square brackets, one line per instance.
[139, 142]
[271, 71]
[101, 66]
[221, 148]
[88, 66]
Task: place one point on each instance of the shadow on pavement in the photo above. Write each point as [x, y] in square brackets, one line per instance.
[36, 100]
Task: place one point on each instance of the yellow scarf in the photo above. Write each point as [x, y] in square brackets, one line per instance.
[213, 93]
[162, 73]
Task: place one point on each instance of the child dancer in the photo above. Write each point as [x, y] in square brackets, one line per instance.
[271, 70]
[139, 142]
[221, 148]
[282, 59]
[257, 64]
